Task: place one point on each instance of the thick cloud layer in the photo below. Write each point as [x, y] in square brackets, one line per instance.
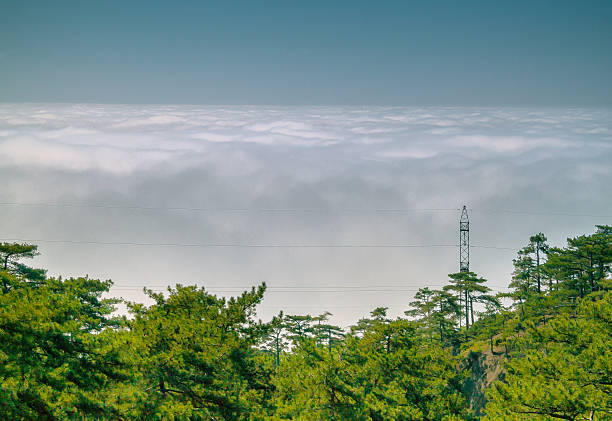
[298, 176]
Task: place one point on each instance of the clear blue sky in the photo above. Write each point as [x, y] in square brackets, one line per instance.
[540, 53]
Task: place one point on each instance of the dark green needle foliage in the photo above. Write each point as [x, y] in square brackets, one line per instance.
[197, 357]
[10, 253]
[540, 351]
[58, 354]
[562, 369]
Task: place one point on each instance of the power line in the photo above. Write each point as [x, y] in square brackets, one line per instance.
[240, 245]
[339, 289]
[492, 247]
[244, 287]
[292, 291]
[293, 210]
[318, 306]
[227, 245]
[236, 209]
[547, 213]
[289, 290]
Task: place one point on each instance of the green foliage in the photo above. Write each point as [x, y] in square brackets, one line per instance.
[299, 327]
[561, 369]
[437, 312]
[325, 333]
[191, 355]
[470, 289]
[196, 356]
[275, 342]
[385, 374]
[11, 252]
[583, 265]
[57, 351]
[378, 315]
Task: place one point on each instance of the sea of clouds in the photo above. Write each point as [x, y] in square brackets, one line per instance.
[326, 168]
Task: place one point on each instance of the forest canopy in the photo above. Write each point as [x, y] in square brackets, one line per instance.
[541, 351]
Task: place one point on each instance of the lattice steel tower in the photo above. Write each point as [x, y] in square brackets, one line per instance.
[464, 241]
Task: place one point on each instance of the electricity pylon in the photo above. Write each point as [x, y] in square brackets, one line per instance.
[464, 241]
[464, 248]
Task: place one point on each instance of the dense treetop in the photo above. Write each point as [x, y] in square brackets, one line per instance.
[541, 351]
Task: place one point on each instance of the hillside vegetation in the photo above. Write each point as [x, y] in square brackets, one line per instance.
[543, 351]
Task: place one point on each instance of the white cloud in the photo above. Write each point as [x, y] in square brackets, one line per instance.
[330, 158]
[31, 153]
[409, 133]
[503, 144]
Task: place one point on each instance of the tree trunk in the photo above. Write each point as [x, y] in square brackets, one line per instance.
[277, 350]
[460, 304]
[591, 272]
[472, 309]
[538, 267]
[467, 311]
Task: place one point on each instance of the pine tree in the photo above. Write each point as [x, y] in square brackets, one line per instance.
[472, 289]
[325, 333]
[197, 356]
[299, 327]
[561, 369]
[276, 340]
[437, 311]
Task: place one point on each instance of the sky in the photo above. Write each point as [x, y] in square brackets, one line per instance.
[325, 148]
[440, 53]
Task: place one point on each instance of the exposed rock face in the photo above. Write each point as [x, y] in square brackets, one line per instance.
[485, 367]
